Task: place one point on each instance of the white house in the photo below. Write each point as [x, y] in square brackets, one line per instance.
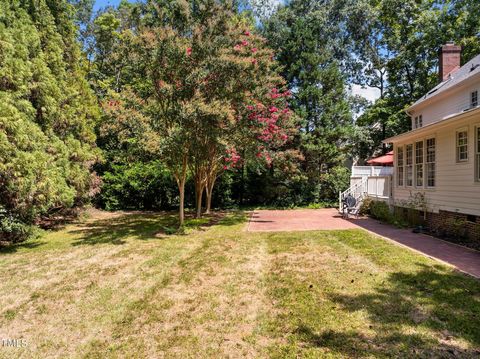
[439, 159]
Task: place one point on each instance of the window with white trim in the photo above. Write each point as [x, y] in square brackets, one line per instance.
[418, 121]
[462, 146]
[409, 163]
[477, 153]
[400, 168]
[419, 164]
[474, 99]
[430, 162]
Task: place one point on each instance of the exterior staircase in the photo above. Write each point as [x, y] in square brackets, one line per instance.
[358, 191]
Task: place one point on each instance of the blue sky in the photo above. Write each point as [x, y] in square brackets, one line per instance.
[102, 3]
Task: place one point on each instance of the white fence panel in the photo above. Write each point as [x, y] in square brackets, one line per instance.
[379, 187]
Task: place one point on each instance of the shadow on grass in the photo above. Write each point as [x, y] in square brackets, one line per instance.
[445, 303]
[353, 344]
[34, 243]
[147, 226]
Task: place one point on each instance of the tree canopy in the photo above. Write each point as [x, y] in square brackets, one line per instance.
[158, 102]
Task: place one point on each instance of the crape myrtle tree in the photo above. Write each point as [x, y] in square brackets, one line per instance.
[201, 95]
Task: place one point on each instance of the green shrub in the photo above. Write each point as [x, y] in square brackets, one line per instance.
[365, 208]
[12, 230]
[381, 211]
[140, 185]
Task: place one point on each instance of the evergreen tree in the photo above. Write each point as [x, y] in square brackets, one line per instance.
[311, 46]
[47, 112]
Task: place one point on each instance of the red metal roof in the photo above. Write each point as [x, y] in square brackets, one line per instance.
[385, 160]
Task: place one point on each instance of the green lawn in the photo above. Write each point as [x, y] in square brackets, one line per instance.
[116, 285]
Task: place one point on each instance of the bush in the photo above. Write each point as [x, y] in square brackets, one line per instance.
[12, 230]
[366, 206]
[381, 211]
[145, 186]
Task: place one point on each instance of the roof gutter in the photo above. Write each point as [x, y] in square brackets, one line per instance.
[455, 87]
[436, 125]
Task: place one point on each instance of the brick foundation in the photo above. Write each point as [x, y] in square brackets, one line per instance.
[445, 223]
[455, 227]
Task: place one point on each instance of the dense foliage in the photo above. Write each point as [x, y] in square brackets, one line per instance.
[211, 102]
[47, 115]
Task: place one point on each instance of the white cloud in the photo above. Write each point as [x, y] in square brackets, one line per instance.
[370, 93]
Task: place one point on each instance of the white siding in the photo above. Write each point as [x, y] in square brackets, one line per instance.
[456, 188]
[456, 102]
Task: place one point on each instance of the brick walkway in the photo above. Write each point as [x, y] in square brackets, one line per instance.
[464, 259]
[297, 220]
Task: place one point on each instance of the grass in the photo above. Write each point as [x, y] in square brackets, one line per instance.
[118, 285]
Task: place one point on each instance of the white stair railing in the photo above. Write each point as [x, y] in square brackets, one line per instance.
[357, 191]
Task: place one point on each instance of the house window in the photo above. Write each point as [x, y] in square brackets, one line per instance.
[409, 163]
[418, 121]
[474, 99]
[462, 146]
[419, 164]
[400, 168]
[477, 151]
[430, 162]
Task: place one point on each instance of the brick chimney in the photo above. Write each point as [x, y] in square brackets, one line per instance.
[449, 60]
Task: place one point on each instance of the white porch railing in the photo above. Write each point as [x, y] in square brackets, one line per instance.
[365, 171]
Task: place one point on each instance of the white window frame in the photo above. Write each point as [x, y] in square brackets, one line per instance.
[474, 99]
[419, 164]
[430, 162]
[400, 166]
[409, 165]
[418, 122]
[461, 147]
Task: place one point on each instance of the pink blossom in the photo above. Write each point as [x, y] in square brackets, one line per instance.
[254, 50]
[247, 33]
[254, 61]
[244, 43]
[273, 109]
[237, 47]
[189, 51]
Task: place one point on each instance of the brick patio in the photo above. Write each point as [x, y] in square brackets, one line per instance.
[464, 259]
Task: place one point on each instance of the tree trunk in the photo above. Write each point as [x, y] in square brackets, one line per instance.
[181, 214]
[199, 187]
[181, 178]
[209, 192]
